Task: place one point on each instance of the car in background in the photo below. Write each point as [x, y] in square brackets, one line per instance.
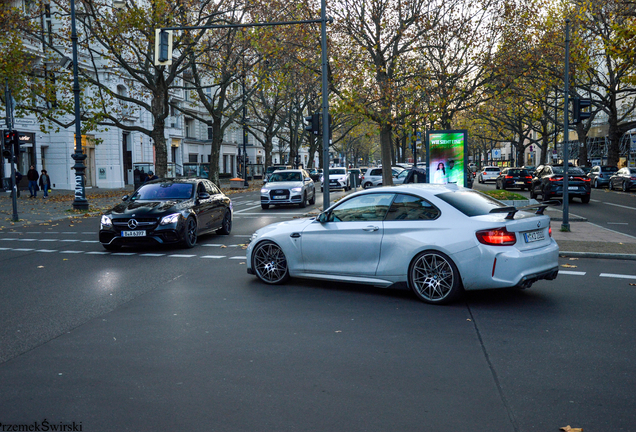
[489, 173]
[373, 177]
[272, 169]
[439, 239]
[599, 175]
[514, 177]
[288, 187]
[167, 211]
[624, 179]
[338, 179]
[315, 174]
[548, 183]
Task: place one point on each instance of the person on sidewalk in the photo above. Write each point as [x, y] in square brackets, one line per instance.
[33, 176]
[18, 179]
[45, 183]
[151, 176]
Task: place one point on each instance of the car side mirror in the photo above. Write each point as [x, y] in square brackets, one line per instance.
[323, 217]
[125, 197]
[203, 195]
[307, 179]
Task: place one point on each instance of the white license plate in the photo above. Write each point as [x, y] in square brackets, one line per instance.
[534, 236]
[519, 183]
[140, 233]
[279, 197]
[573, 188]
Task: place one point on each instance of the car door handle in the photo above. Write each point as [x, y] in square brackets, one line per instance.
[295, 235]
[371, 228]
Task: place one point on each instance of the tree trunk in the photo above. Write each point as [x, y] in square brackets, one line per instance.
[386, 144]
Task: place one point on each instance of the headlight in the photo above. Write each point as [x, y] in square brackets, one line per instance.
[254, 237]
[106, 221]
[297, 189]
[170, 219]
[264, 191]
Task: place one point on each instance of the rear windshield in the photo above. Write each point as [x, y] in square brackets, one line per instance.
[470, 202]
[492, 169]
[571, 170]
[609, 169]
[517, 172]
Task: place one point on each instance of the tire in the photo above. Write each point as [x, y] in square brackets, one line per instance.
[585, 199]
[226, 225]
[367, 185]
[111, 247]
[269, 263]
[595, 183]
[312, 201]
[434, 278]
[610, 185]
[532, 195]
[625, 188]
[264, 206]
[191, 233]
[303, 203]
[497, 185]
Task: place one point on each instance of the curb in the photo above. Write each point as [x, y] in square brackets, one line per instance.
[616, 256]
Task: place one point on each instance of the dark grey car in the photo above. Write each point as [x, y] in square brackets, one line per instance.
[599, 175]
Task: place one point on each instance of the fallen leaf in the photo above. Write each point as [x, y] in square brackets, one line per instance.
[632, 284]
[574, 259]
[223, 247]
[571, 429]
[65, 259]
[568, 266]
[40, 266]
[468, 319]
[241, 263]
[338, 331]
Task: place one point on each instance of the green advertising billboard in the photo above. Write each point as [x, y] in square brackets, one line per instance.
[446, 156]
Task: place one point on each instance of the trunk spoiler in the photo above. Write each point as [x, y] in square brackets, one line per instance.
[512, 210]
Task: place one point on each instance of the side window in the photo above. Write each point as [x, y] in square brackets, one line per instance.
[409, 207]
[369, 207]
[211, 188]
[376, 172]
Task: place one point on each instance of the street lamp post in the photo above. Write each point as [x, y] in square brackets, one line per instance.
[565, 225]
[80, 202]
[245, 183]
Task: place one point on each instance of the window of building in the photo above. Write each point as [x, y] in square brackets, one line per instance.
[193, 157]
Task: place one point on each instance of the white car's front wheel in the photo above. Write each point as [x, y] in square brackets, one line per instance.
[269, 263]
[434, 278]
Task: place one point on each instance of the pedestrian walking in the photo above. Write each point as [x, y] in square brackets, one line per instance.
[45, 183]
[33, 176]
[151, 176]
[18, 179]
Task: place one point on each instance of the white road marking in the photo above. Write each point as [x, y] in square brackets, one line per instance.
[97, 253]
[181, 256]
[49, 240]
[618, 276]
[152, 255]
[72, 252]
[28, 240]
[22, 250]
[621, 206]
[46, 250]
[244, 210]
[573, 273]
[238, 257]
[618, 223]
[212, 245]
[124, 253]
[69, 240]
[213, 256]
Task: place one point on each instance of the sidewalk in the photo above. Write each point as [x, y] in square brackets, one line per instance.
[585, 239]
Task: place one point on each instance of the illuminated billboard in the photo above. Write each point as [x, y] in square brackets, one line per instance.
[446, 156]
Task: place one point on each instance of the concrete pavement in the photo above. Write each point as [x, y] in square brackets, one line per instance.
[584, 239]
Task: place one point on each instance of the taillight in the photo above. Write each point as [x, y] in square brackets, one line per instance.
[509, 177]
[584, 179]
[529, 177]
[496, 237]
[556, 178]
[550, 230]
[600, 175]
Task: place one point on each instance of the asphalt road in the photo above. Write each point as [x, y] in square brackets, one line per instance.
[174, 339]
[610, 209]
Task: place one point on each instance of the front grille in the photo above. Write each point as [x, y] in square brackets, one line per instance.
[284, 193]
[142, 223]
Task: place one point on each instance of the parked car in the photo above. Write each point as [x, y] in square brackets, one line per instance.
[373, 177]
[288, 187]
[338, 179]
[165, 212]
[624, 179]
[315, 174]
[548, 183]
[599, 175]
[513, 177]
[489, 173]
[439, 239]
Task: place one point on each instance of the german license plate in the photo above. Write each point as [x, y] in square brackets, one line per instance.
[534, 236]
[140, 233]
[519, 183]
[279, 197]
[573, 188]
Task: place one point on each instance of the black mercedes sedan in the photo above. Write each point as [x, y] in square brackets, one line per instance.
[167, 211]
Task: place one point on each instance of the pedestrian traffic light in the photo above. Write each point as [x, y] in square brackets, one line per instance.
[163, 47]
[580, 110]
[313, 124]
[10, 138]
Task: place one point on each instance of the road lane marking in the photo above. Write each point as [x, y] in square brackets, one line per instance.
[22, 250]
[72, 252]
[617, 232]
[97, 253]
[573, 273]
[238, 257]
[244, 210]
[621, 206]
[618, 276]
[213, 256]
[618, 223]
[152, 255]
[180, 256]
[123, 254]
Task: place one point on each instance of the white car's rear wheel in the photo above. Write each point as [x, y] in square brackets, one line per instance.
[434, 278]
[269, 263]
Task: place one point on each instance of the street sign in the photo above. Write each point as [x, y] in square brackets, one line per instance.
[496, 154]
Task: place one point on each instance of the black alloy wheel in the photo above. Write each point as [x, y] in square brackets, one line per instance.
[303, 203]
[269, 263]
[264, 206]
[434, 278]
[226, 226]
[191, 233]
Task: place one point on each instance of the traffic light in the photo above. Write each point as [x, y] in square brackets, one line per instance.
[580, 109]
[163, 47]
[313, 124]
[10, 138]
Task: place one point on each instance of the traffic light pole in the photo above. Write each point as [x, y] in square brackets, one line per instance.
[565, 225]
[14, 186]
[325, 105]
